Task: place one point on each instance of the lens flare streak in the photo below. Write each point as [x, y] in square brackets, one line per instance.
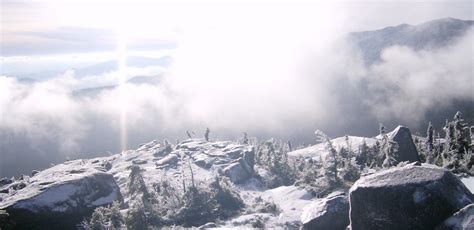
[122, 66]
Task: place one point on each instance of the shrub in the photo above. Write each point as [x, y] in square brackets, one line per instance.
[136, 217]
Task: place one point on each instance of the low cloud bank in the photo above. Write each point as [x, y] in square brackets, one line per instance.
[232, 81]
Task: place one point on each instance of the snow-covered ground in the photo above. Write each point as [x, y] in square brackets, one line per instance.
[319, 151]
[289, 200]
[280, 207]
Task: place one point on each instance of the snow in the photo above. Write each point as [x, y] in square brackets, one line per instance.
[59, 188]
[105, 200]
[332, 202]
[289, 199]
[245, 221]
[469, 182]
[49, 198]
[54, 187]
[319, 151]
[401, 175]
[182, 157]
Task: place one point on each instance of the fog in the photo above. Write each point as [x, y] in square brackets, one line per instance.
[268, 76]
[413, 82]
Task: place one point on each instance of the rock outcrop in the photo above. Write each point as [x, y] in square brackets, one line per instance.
[406, 150]
[169, 160]
[409, 197]
[63, 195]
[236, 161]
[5, 181]
[238, 172]
[464, 219]
[331, 212]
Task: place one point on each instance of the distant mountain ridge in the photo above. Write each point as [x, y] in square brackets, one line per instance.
[428, 35]
[112, 65]
[97, 69]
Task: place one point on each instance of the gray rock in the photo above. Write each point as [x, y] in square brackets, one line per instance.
[406, 148]
[163, 151]
[4, 181]
[245, 165]
[34, 172]
[171, 159]
[236, 161]
[107, 165]
[139, 161]
[237, 171]
[409, 197]
[243, 169]
[249, 157]
[331, 212]
[464, 219]
[57, 196]
[205, 161]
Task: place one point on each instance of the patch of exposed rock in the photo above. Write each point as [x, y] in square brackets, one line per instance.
[409, 197]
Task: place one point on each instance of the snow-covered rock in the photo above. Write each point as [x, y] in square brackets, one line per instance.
[5, 181]
[409, 197]
[406, 150]
[237, 172]
[236, 161]
[69, 192]
[62, 195]
[464, 219]
[169, 160]
[331, 212]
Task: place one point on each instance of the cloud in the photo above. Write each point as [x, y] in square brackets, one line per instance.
[411, 82]
[41, 111]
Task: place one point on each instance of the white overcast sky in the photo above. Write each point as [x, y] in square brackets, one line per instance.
[59, 27]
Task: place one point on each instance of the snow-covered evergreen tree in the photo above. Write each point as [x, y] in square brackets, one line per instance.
[332, 161]
[381, 129]
[206, 134]
[429, 137]
[387, 150]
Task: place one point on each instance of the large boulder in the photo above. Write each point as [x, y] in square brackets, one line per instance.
[464, 219]
[239, 171]
[409, 197]
[406, 148]
[331, 212]
[60, 197]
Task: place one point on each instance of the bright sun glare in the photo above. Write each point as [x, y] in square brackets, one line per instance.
[122, 65]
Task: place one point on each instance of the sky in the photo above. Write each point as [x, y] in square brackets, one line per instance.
[63, 27]
[269, 68]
